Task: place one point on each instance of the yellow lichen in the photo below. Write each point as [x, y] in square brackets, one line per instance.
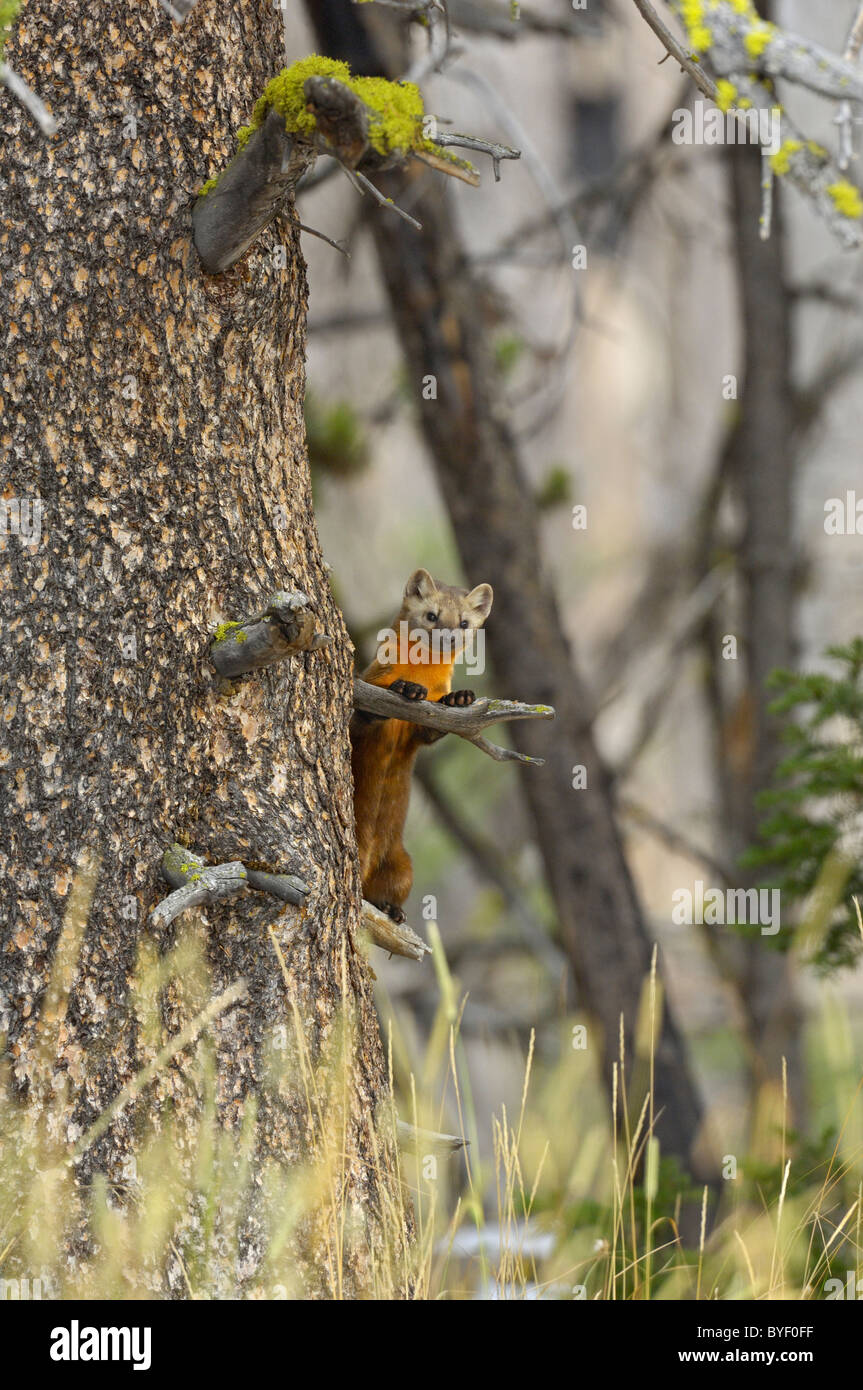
[847, 198]
[781, 160]
[758, 39]
[726, 93]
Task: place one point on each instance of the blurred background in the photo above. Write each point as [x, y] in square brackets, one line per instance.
[698, 393]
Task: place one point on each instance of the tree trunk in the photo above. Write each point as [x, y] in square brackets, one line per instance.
[158, 415]
[763, 476]
[437, 303]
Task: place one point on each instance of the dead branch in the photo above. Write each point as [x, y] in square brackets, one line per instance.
[424, 1141]
[395, 937]
[228, 217]
[233, 209]
[746, 53]
[286, 626]
[468, 721]
[197, 884]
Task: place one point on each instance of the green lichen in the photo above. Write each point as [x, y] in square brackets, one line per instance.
[207, 187]
[847, 198]
[225, 630]
[396, 107]
[781, 160]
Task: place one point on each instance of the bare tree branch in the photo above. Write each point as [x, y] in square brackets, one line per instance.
[745, 51]
[468, 721]
[844, 117]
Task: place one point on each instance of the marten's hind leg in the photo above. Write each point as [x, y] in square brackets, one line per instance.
[389, 883]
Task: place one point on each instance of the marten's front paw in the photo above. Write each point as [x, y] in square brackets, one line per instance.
[411, 691]
[394, 913]
[457, 697]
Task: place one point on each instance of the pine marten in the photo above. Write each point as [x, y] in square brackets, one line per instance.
[383, 750]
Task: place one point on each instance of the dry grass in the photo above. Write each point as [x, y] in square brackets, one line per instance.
[567, 1203]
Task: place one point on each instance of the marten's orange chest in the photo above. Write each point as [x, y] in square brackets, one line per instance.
[435, 676]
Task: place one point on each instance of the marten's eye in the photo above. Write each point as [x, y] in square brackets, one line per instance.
[463, 623]
[431, 617]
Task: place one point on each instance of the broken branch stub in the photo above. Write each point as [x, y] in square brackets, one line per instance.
[197, 884]
[302, 114]
[246, 197]
[286, 626]
[423, 1141]
[395, 937]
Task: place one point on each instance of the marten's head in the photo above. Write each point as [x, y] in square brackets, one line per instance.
[428, 605]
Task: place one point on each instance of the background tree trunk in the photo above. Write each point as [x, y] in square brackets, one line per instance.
[159, 416]
[762, 468]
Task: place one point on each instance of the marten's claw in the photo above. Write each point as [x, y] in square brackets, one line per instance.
[458, 697]
[409, 689]
[394, 913]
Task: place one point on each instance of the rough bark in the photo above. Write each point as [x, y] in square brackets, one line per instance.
[437, 304]
[158, 415]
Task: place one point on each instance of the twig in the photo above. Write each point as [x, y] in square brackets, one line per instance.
[322, 236]
[674, 839]
[496, 151]
[465, 172]
[466, 721]
[702, 80]
[395, 937]
[777, 54]
[844, 116]
[286, 626]
[365, 185]
[439, 41]
[288, 887]
[422, 1141]
[195, 884]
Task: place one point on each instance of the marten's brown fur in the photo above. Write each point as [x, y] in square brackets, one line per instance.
[383, 750]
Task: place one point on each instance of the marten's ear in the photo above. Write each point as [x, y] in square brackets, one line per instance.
[420, 585]
[479, 600]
